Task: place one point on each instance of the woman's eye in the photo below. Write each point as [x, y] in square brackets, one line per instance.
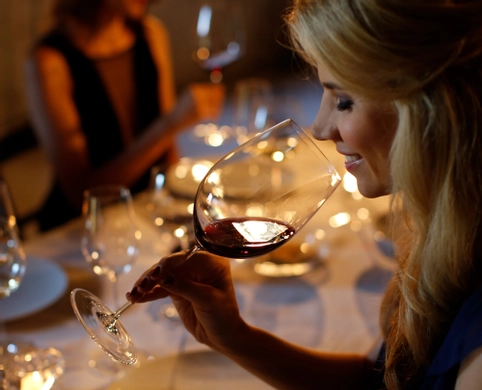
[344, 104]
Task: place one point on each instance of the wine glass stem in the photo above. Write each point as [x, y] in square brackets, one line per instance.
[128, 304]
[115, 293]
[194, 249]
[122, 309]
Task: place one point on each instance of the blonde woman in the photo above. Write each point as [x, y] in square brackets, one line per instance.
[101, 91]
[403, 103]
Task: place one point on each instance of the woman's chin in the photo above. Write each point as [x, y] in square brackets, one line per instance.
[370, 190]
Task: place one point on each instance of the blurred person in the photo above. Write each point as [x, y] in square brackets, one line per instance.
[402, 102]
[101, 92]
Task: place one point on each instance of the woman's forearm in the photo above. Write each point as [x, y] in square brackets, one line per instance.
[288, 366]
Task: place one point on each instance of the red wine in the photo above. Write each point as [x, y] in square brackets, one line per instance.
[243, 237]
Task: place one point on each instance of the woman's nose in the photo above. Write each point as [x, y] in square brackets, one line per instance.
[323, 128]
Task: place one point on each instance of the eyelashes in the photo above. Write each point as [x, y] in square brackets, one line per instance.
[344, 104]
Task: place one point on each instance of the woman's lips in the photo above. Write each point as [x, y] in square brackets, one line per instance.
[352, 161]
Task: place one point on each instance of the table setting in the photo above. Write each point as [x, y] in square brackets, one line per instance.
[328, 299]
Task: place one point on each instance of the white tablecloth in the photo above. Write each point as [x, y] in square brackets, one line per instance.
[334, 308]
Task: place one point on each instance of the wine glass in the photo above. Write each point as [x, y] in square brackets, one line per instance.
[253, 101]
[250, 202]
[220, 40]
[220, 36]
[18, 361]
[12, 268]
[170, 208]
[110, 239]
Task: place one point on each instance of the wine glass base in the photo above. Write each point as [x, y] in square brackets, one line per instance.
[99, 322]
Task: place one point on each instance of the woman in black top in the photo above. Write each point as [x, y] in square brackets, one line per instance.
[102, 98]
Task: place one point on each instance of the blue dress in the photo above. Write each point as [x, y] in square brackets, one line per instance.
[463, 337]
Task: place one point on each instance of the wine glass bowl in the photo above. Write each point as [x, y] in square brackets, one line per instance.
[249, 203]
[170, 197]
[253, 103]
[170, 202]
[12, 256]
[110, 241]
[258, 196]
[220, 36]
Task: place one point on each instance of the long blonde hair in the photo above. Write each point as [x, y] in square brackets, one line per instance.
[425, 56]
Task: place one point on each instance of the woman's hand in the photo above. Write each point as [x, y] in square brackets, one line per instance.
[208, 99]
[202, 290]
[199, 102]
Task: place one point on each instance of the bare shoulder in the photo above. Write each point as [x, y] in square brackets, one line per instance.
[155, 28]
[158, 40]
[48, 61]
[470, 372]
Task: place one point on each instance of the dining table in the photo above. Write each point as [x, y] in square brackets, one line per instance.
[333, 307]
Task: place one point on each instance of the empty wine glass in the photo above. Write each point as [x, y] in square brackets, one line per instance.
[169, 210]
[12, 256]
[249, 203]
[253, 101]
[220, 36]
[110, 239]
[19, 360]
[220, 40]
[12, 269]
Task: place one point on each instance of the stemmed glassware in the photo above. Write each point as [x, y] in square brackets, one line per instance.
[220, 36]
[168, 210]
[19, 361]
[12, 268]
[220, 40]
[12, 256]
[171, 212]
[249, 203]
[253, 103]
[110, 240]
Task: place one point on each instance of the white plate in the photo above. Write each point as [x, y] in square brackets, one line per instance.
[43, 284]
[183, 178]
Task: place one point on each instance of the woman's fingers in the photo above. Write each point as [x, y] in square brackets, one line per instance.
[168, 264]
[188, 289]
[145, 287]
[156, 293]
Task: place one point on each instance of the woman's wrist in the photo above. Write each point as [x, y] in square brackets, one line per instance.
[237, 342]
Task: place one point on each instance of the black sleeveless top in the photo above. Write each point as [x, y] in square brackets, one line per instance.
[98, 119]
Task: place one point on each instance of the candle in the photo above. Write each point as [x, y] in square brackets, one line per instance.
[35, 380]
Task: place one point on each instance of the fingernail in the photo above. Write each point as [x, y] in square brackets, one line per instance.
[156, 272]
[133, 292]
[168, 281]
[144, 282]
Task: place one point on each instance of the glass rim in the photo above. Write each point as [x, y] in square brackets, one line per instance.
[309, 141]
